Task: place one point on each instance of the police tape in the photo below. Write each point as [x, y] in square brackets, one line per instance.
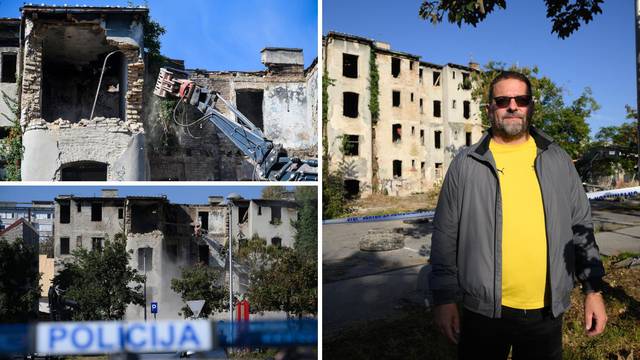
[108, 337]
[596, 195]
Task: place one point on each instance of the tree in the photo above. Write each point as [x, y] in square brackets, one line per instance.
[201, 282]
[565, 15]
[306, 237]
[11, 146]
[102, 282]
[275, 192]
[565, 123]
[19, 282]
[624, 136]
[289, 283]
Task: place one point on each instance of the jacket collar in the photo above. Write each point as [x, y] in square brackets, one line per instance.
[541, 139]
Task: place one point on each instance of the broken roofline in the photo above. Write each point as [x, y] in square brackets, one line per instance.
[372, 43]
[82, 9]
[312, 66]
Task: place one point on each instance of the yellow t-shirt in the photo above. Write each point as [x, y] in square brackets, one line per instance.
[524, 240]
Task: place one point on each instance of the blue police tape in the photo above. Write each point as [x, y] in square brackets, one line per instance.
[101, 337]
[596, 195]
[388, 217]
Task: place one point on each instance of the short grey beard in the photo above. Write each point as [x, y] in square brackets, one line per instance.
[510, 133]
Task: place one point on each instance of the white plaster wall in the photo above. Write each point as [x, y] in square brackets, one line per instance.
[356, 167]
[260, 224]
[285, 117]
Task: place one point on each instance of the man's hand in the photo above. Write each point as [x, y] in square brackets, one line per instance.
[595, 316]
[447, 320]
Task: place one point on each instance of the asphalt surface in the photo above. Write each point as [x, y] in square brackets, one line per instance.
[360, 286]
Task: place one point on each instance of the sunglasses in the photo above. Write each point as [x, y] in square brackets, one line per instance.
[504, 101]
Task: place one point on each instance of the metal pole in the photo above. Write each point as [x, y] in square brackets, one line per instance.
[144, 264]
[104, 65]
[638, 83]
[231, 266]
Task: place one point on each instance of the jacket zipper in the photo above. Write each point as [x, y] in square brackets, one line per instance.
[537, 160]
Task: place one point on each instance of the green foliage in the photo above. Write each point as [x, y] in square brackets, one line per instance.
[306, 225]
[567, 124]
[565, 15]
[102, 282]
[275, 192]
[11, 146]
[46, 247]
[625, 136]
[333, 195]
[374, 90]
[19, 281]
[152, 33]
[201, 282]
[287, 282]
[326, 82]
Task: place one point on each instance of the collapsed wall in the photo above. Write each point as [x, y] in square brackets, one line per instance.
[69, 134]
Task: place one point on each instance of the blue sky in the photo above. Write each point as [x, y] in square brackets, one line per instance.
[176, 194]
[600, 55]
[221, 34]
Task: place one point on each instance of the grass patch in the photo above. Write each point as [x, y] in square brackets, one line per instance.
[379, 204]
[413, 335]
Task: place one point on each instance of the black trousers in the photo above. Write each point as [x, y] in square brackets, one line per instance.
[533, 334]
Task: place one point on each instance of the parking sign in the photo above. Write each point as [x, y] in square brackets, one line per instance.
[154, 307]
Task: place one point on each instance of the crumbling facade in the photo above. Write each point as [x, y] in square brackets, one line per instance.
[67, 53]
[9, 48]
[426, 114]
[280, 100]
[164, 237]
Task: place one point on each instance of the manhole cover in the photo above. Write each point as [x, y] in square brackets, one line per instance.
[375, 240]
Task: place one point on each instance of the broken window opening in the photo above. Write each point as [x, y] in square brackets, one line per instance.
[436, 108]
[145, 259]
[78, 206]
[96, 243]
[79, 241]
[8, 72]
[436, 78]
[397, 168]
[172, 253]
[413, 130]
[351, 145]
[120, 213]
[466, 109]
[422, 164]
[438, 171]
[453, 104]
[84, 171]
[350, 65]
[259, 210]
[145, 217]
[351, 188]
[276, 241]
[276, 215]
[466, 82]
[411, 97]
[422, 137]
[396, 133]
[420, 76]
[64, 246]
[453, 74]
[243, 214]
[96, 211]
[395, 67]
[436, 140]
[413, 164]
[350, 104]
[65, 212]
[203, 254]
[421, 107]
[249, 103]
[72, 61]
[204, 220]
[396, 98]
[410, 65]
[467, 139]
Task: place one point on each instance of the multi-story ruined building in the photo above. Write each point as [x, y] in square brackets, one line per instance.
[87, 112]
[9, 46]
[426, 114]
[163, 237]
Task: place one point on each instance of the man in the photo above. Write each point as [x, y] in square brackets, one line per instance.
[512, 229]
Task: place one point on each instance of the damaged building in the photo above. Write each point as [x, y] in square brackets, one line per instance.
[9, 48]
[87, 112]
[426, 114]
[163, 237]
[67, 53]
[280, 100]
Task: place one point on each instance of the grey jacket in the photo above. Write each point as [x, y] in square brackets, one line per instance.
[466, 252]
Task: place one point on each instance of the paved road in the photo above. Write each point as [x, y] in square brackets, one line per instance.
[359, 286]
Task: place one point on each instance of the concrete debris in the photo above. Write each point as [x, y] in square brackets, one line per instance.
[628, 263]
[375, 240]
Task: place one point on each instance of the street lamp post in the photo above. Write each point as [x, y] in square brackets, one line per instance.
[144, 266]
[230, 198]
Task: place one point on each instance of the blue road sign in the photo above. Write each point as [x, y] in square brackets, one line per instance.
[154, 307]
